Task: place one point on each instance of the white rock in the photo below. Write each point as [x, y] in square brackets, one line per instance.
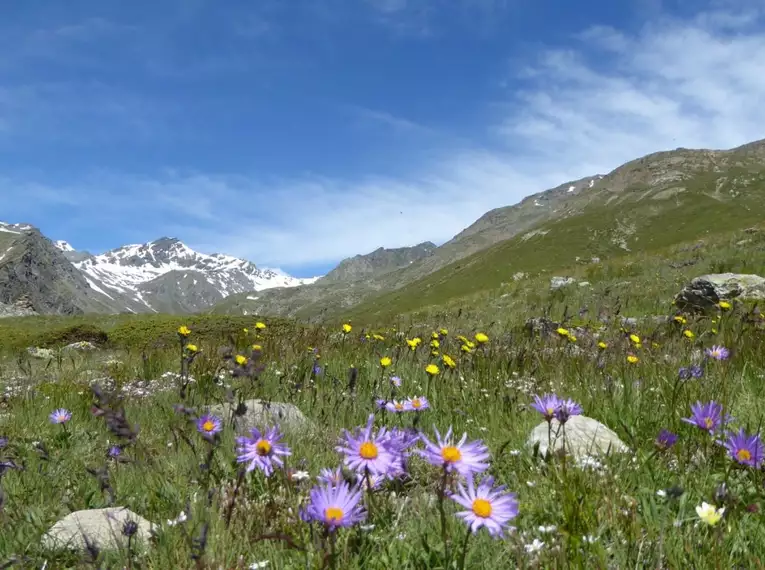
[262, 414]
[583, 437]
[103, 527]
[558, 282]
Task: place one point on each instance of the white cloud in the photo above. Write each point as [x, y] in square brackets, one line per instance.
[609, 98]
[697, 83]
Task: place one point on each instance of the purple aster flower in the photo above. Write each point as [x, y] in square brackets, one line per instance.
[487, 507]
[707, 416]
[380, 403]
[396, 407]
[365, 450]
[695, 371]
[317, 370]
[114, 452]
[417, 404]
[262, 450]
[717, 352]
[398, 442]
[745, 449]
[60, 416]
[566, 409]
[396, 381]
[546, 405]
[334, 506]
[209, 425]
[665, 440]
[464, 457]
[331, 476]
[3, 442]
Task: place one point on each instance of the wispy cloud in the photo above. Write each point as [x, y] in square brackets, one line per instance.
[696, 83]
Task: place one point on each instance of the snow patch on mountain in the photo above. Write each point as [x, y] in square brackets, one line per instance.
[63, 245]
[131, 269]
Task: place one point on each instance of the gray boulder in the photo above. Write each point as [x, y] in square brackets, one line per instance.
[560, 282]
[583, 437]
[706, 291]
[263, 414]
[103, 527]
[82, 346]
[41, 353]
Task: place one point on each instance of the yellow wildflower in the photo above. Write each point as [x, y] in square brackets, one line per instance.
[635, 338]
[257, 347]
[385, 361]
[245, 331]
[562, 331]
[466, 348]
[260, 326]
[347, 328]
[632, 359]
[432, 369]
[481, 338]
[687, 333]
[241, 360]
[378, 337]
[444, 332]
[434, 335]
[184, 330]
[448, 361]
[434, 343]
[724, 305]
[709, 513]
[192, 348]
[680, 319]
[602, 344]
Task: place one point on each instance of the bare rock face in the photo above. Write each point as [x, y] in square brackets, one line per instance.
[706, 291]
[107, 528]
[583, 437]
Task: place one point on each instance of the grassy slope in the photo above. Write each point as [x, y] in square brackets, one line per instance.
[644, 224]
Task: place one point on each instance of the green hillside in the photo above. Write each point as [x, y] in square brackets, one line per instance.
[639, 220]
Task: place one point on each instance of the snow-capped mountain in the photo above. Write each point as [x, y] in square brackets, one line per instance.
[166, 275]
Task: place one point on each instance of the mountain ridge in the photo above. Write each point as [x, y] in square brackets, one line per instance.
[162, 275]
[656, 183]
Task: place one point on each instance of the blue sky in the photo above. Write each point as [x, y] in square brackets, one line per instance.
[299, 133]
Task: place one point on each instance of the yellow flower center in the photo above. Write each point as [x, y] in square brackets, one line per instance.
[368, 450]
[263, 447]
[399, 406]
[333, 514]
[550, 412]
[208, 425]
[482, 508]
[743, 455]
[451, 454]
[416, 403]
[708, 422]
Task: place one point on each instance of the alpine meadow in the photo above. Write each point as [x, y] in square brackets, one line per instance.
[432, 367]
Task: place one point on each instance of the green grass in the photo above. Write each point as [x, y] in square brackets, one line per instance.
[610, 517]
[597, 232]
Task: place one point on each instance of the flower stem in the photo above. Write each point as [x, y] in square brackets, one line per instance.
[442, 512]
[461, 565]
